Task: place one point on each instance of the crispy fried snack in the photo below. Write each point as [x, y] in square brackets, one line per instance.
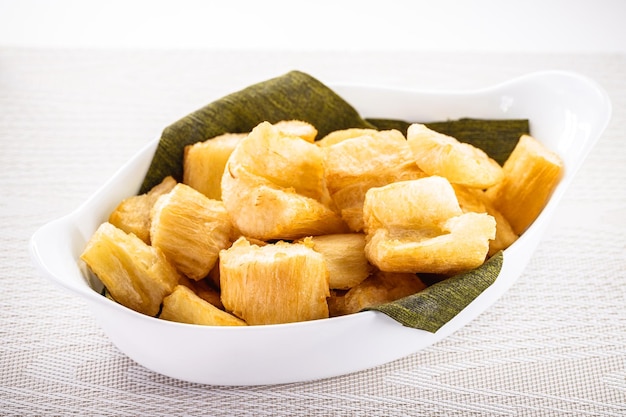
[359, 159]
[460, 244]
[190, 229]
[205, 289]
[136, 275]
[303, 130]
[345, 258]
[132, 215]
[204, 162]
[531, 174]
[428, 233]
[474, 200]
[443, 155]
[274, 187]
[343, 134]
[275, 283]
[381, 287]
[185, 306]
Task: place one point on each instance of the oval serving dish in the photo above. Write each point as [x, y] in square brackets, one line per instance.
[567, 112]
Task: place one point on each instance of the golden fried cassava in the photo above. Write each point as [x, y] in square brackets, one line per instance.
[345, 258]
[357, 163]
[274, 187]
[204, 162]
[531, 174]
[276, 283]
[135, 274]
[190, 229]
[428, 232]
[185, 306]
[461, 163]
[132, 215]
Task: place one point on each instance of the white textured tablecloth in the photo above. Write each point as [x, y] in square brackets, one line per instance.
[554, 345]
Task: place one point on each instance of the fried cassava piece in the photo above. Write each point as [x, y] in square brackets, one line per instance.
[185, 306]
[359, 159]
[531, 174]
[345, 258]
[133, 214]
[379, 288]
[274, 187]
[190, 229]
[204, 163]
[135, 274]
[276, 283]
[427, 232]
[443, 155]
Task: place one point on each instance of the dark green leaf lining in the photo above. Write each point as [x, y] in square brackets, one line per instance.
[434, 306]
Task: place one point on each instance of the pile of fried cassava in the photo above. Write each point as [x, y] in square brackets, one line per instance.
[274, 226]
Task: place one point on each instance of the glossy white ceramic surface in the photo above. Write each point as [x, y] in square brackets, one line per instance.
[568, 113]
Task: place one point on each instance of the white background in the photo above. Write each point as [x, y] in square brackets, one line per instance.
[567, 26]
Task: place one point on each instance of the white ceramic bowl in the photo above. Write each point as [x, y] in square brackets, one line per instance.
[567, 112]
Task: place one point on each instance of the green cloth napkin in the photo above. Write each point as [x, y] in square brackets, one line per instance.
[297, 95]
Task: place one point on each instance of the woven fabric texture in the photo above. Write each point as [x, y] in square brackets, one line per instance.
[553, 345]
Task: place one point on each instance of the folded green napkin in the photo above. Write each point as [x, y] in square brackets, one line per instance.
[299, 96]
